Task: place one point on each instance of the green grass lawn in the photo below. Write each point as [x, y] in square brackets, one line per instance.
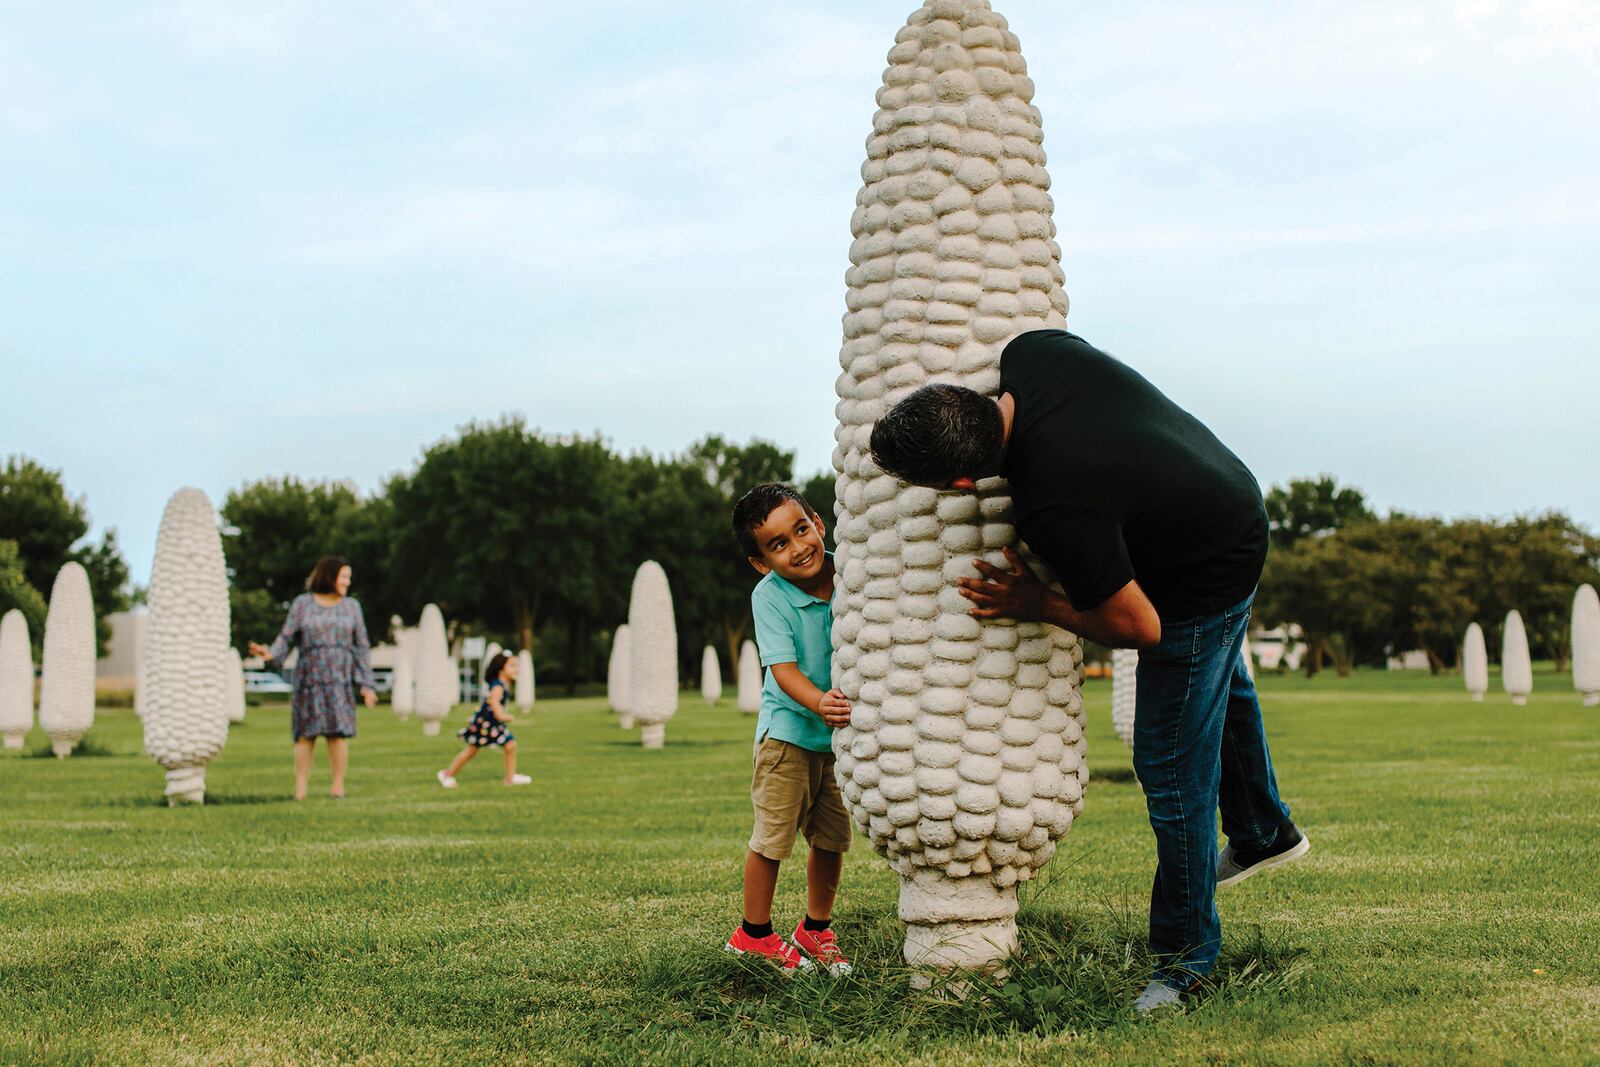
[1449, 910]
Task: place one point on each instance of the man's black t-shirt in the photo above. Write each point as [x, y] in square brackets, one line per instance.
[1111, 481]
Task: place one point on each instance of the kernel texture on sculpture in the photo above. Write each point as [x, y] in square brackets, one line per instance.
[710, 677]
[750, 679]
[1516, 665]
[1124, 691]
[186, 644]
[16, 679]
[617, 694]
[652, 654]
[1586, 644]
[66, 680]
[964, 759]
[436, 681]
[1475, 662]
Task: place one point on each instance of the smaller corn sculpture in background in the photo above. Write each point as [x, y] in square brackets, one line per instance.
[233, 682]
[617, 694]
[653, 655]
[1586, 644]
[16, 679]
[525, 693]
[1124, 691]
[750, 679]
[1516, 665]
[1475, 662]
[710, 677]
[66, 687]
[436, 682]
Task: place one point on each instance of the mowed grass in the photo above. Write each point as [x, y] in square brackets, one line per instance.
[1449, 910]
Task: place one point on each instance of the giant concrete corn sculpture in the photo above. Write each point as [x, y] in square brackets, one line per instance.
[750, 679]
[16, 679]
[436, 681]
[525, 693]
[617, 689]
[1586, 644]
[1475, 662]
[233, 675]
[1124, 691]
[1516, 665]
[66, 683]
[652, 655]
[186, 710]
[710, 676]
[964, 757]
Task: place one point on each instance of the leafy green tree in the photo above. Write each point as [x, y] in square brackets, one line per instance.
[1309, 507]
[820, 492]
[730, 470]
[501, 526]
[47, 525]
[17, 592]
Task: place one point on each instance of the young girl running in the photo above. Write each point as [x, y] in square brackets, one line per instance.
[488, 726]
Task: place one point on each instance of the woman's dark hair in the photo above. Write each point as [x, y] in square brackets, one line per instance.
[325, 575]
[496, 661]
[754, 507]
[938, 433]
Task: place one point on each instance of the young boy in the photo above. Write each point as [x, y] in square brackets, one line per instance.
[793, 788]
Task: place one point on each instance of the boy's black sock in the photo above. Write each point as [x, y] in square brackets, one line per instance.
[817, 924]
[757, 931]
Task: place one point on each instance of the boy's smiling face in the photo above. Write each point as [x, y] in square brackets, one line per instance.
[790, 541]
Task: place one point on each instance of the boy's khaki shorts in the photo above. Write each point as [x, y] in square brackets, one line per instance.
[794, 791]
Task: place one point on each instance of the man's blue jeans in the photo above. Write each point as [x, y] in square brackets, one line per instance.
[1198, 742]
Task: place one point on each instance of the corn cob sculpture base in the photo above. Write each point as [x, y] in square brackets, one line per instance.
[963, 760]
[186, 785]
[653, 734]
[14, 741]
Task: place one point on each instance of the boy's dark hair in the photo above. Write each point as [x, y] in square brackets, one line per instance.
[754, 507]
[492, 671]
[324, 576]
[938, 433]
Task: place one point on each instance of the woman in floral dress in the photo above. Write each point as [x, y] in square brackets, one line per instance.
[327, 627]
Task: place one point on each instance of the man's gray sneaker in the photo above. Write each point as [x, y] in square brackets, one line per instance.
[1235, 865]
[1157, 995]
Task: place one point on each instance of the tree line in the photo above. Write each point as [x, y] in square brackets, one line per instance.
[527, 538]
[1364, 586]
[532, 539]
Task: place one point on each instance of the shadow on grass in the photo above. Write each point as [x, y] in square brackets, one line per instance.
[1076, 971]
[156, 799]
[90, 747]
[1117, 775]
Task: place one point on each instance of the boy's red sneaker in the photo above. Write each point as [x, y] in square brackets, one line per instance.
[773, 947]
[823, 948]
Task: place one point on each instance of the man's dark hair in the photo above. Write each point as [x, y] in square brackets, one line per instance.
[324, 576]
[754, 507]
[938, 433]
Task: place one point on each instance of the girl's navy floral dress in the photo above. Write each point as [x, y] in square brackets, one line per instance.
[485, 729]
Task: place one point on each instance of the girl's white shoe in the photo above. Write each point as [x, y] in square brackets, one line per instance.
[519, 779]
[445, 780]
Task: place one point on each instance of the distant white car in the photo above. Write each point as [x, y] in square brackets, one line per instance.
[265, 682]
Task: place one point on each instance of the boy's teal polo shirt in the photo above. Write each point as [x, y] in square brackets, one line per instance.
[792, 626]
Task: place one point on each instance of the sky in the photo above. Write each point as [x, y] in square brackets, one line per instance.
[240, 241]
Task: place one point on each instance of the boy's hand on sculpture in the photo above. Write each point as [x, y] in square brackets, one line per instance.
[834, 709]
[1015, 594]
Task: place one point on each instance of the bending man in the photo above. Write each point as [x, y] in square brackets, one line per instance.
[1158, 535]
